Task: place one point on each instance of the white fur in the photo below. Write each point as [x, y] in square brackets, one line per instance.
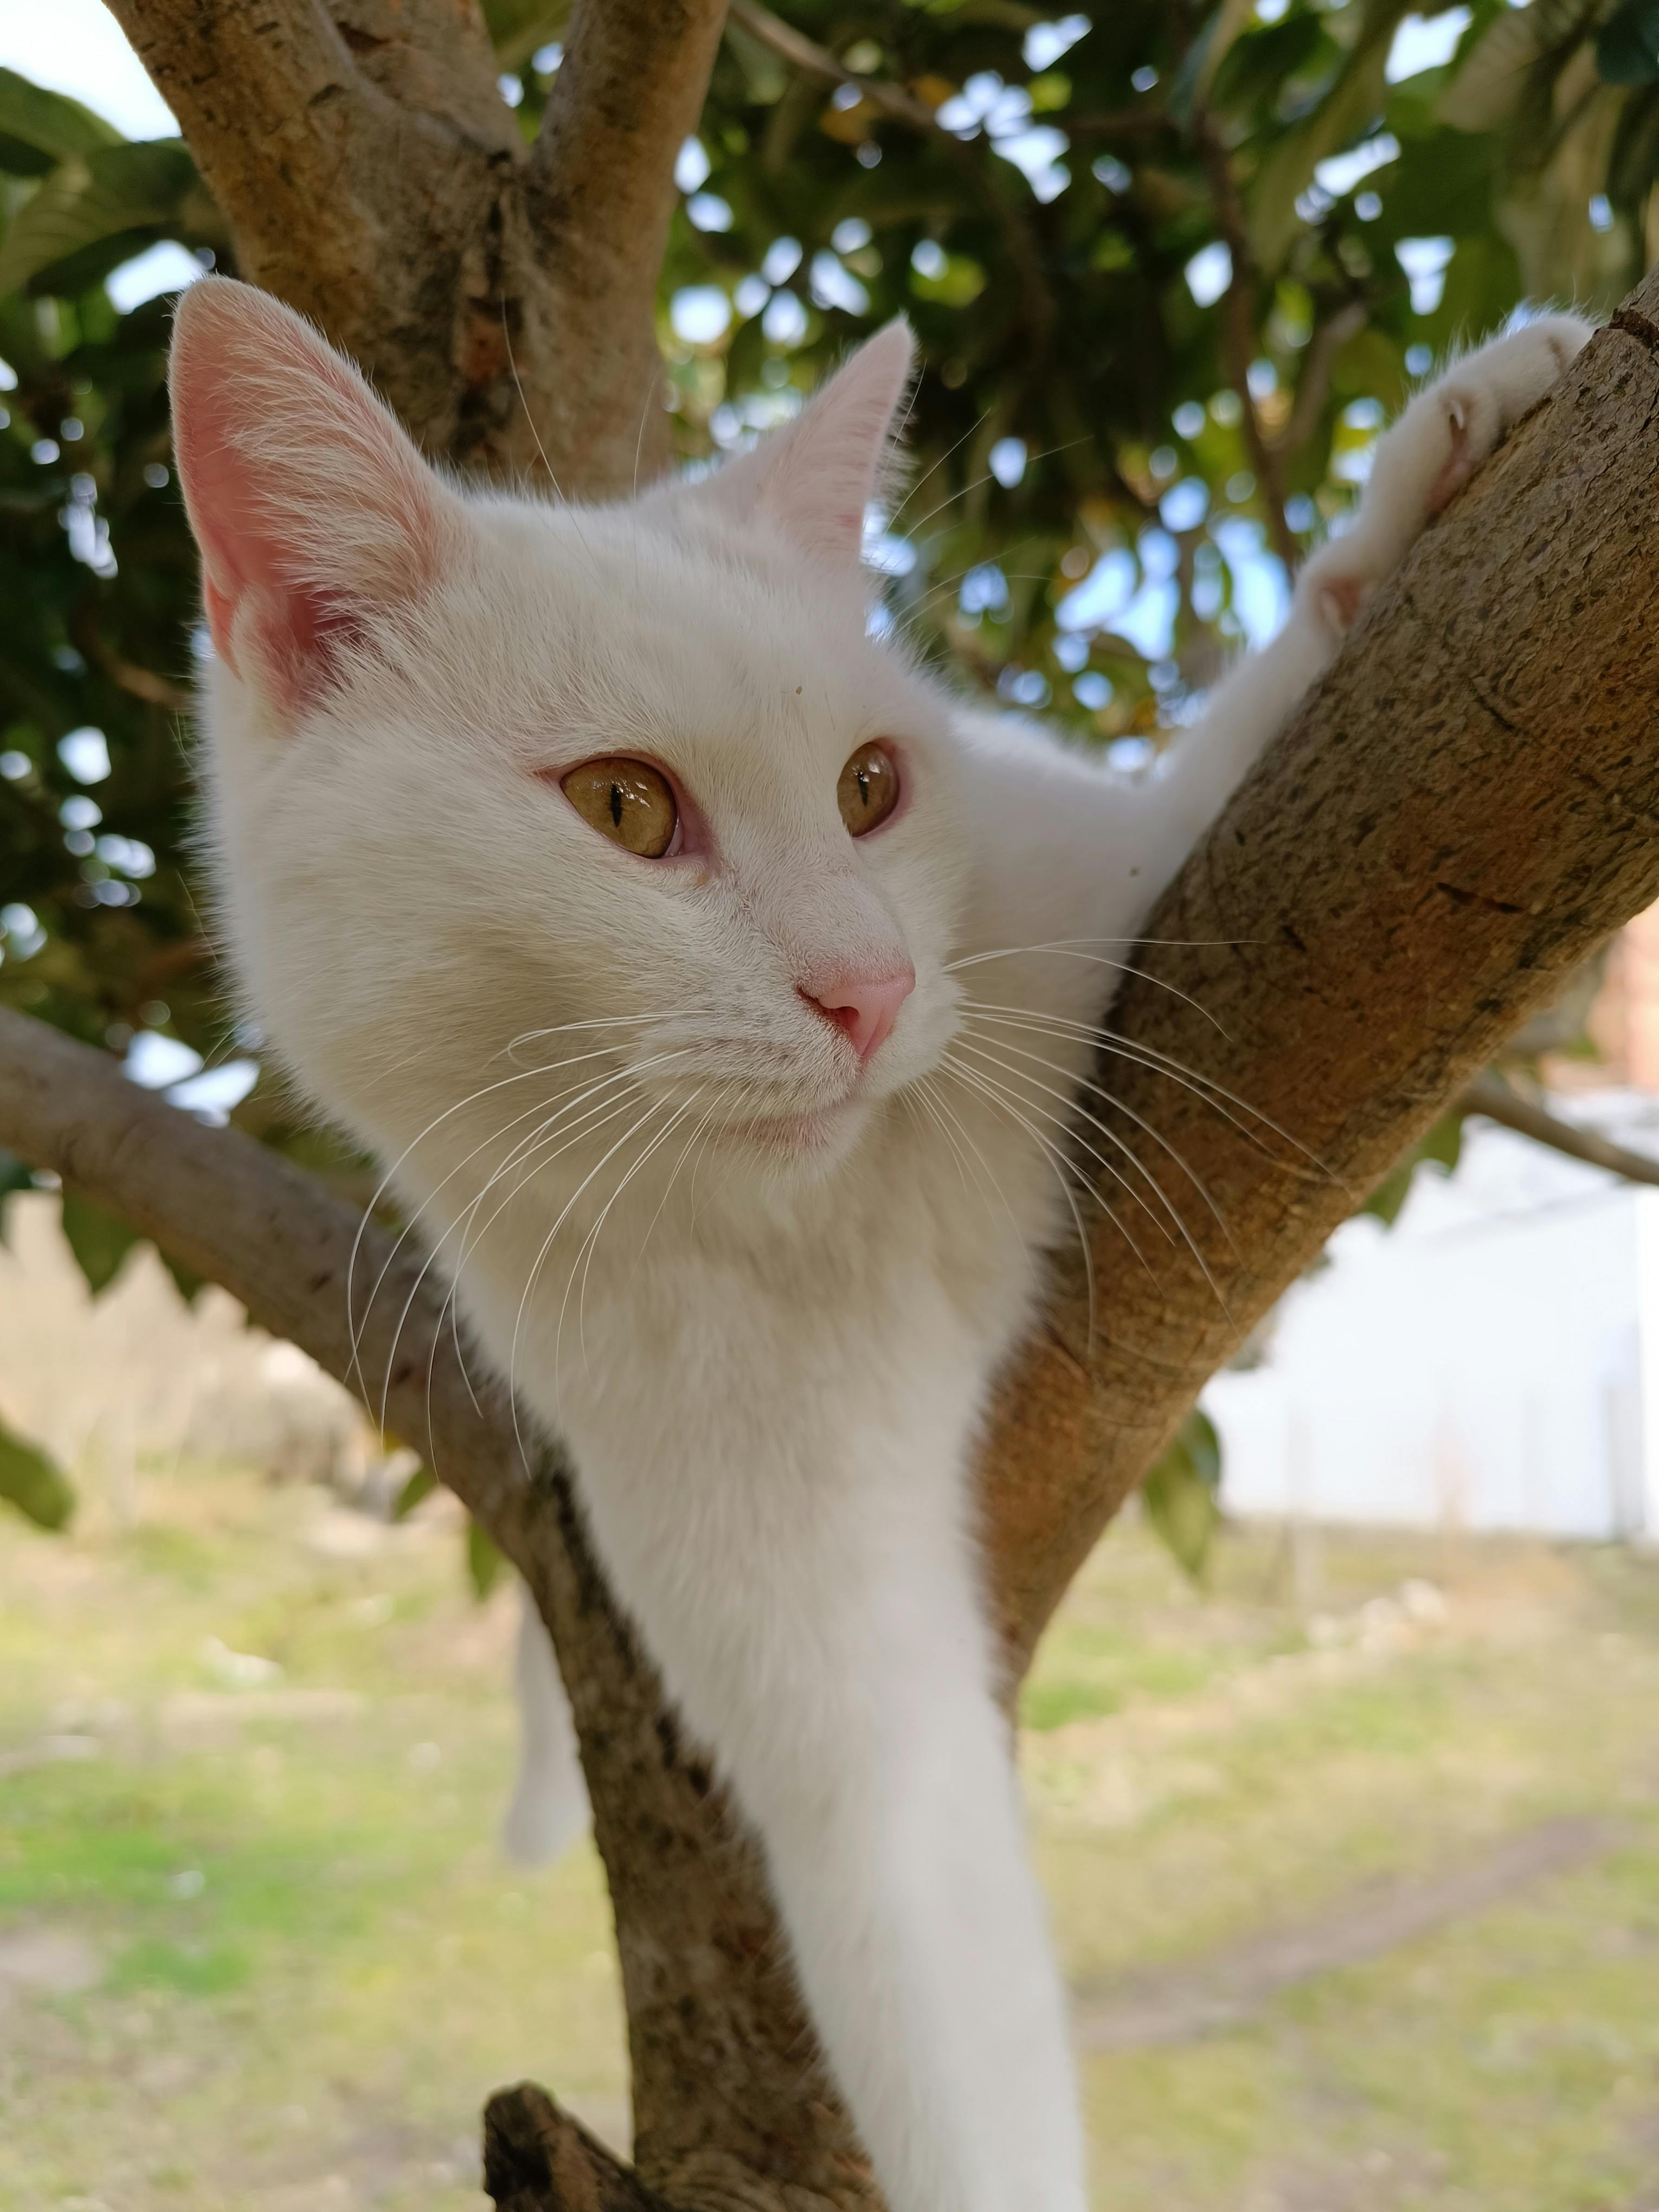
[770, 1362]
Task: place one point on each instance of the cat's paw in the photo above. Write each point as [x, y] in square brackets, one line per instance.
[1445, 433]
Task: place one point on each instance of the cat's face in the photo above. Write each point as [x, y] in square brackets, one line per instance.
[628, 794]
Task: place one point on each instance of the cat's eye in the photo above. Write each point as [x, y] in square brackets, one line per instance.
[868, 790]
[628, 801]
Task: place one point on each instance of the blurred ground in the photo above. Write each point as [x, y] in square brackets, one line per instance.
[1359, 1894]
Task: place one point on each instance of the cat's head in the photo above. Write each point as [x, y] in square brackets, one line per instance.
[495, 780]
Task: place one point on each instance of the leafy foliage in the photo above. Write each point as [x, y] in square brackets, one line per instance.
[1170, 266]
[33, 1484]
[485, 1565]
[1182, 1493]
[1440, 1147]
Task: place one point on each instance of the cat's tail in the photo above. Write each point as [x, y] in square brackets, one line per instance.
[549, 1806]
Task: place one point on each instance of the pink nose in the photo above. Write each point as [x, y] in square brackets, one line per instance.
[864, 1007]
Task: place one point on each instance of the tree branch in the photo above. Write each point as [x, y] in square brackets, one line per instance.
[709, 1999]
[1313, 386]
[803, 54]
[1238, 329]
[369, 169]
[1490, 1097]
[1463, 810]
[628, 92]
[538, 2159]
[373, 177]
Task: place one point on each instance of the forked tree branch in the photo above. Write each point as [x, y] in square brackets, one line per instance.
[708, 2001]
[502, 299]
[1458, 816]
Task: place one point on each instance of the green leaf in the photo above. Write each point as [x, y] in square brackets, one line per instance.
[419, 1485]
[484, 1563]
[189, 1285]
[33, 1483]
[1352, 105]
[1182, 1493]
[14, 1175]
[101, 195]
[1627, 51]
[98, 1240]
[49, 122]
[1441, 1148]
[517, 28]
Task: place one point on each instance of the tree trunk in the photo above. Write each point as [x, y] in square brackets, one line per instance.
[1458, 816]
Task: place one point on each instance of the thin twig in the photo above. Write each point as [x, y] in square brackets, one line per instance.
[1238, 330]
[812, 60]
[1313, 386]
[1490, 1097]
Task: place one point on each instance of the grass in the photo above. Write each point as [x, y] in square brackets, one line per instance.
[257, 1952]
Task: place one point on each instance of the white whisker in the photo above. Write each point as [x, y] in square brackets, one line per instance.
[1161, 1063]
[1066, 949]
[1069, 1099]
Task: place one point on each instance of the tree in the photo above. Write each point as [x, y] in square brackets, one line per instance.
[1456, 819]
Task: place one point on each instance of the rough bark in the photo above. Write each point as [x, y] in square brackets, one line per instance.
[1457, 817]
[1460, 815]
[1461, 812]
[727, 2092]
[500, 295]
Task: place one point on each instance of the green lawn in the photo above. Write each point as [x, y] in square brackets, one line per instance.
[258, 1953]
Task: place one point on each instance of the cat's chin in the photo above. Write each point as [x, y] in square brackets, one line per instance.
[808, 1143]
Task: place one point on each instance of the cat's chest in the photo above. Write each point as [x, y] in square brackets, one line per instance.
[778, 1337]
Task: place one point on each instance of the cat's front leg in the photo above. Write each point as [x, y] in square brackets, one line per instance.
[918, 1933]
[1449, 429]
[1429, 454]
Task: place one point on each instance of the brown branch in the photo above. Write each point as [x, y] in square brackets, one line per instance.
[1490, 1097]
[373, 177]
[803, 54]
[1238, 329]
[538, 2159]
[368, 170]
[710, 2001]
[628, 92]
[1314, 385]
[1024, 248]
[1457, 817]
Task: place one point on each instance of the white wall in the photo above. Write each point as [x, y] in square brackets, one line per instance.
[1491, 1362]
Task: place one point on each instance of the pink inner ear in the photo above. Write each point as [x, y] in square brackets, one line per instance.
[814, 480]
[833, 457]
[310, 507]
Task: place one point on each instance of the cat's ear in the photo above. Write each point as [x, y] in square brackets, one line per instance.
[312, 508]
[813, 481]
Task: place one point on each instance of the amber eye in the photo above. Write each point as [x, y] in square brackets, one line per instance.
[868, 790]
[628, 801]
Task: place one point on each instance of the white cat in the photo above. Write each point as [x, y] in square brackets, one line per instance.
[720, 988]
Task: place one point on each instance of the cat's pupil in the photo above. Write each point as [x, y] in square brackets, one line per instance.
[868, 790]
[628, 801]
